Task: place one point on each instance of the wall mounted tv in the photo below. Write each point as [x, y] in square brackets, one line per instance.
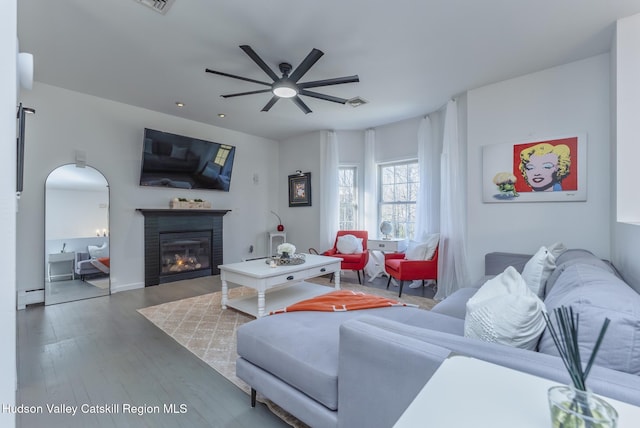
[175, 161]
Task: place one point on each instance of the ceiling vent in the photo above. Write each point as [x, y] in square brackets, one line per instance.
[160, 6]
[356, 102]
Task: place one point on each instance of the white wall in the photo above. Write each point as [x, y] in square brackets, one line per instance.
[111, 135]
[568, 99]
[301, 223]
[74, 213]
[8, 96]
[625, 86]
[397, 141]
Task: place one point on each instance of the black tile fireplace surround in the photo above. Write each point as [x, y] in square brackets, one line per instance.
[160, 223]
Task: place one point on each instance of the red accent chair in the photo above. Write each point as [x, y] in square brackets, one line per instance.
[410, 270]
[355, 261]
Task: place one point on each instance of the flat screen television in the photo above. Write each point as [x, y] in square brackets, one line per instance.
[176, 161]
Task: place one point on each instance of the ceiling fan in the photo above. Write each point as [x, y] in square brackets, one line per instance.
[287, 86]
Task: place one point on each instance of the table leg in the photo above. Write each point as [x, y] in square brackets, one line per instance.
[261, 304]
[225, 292]
[379, 264]
[336, 280]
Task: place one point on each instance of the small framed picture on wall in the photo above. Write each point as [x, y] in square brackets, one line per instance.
[300, 190]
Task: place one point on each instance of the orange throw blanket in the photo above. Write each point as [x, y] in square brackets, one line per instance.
[341, 301]
[105, 261]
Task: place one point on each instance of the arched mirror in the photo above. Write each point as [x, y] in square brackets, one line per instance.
[77, 262]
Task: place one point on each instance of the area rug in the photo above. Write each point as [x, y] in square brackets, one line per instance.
[102, 283]
[204, 328]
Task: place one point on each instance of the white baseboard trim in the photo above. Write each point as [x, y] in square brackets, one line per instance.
[126, 287]
[29, 297]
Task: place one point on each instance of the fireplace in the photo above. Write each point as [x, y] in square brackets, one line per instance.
[183, 252]
[181, 244]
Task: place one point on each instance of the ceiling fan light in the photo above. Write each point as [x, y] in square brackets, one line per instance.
[285, 90]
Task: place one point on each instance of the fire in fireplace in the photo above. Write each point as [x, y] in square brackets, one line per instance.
[182, 252]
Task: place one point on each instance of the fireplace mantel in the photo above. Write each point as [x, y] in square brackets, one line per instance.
[158, 221]
[178, 212]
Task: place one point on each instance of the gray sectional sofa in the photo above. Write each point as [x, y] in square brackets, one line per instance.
[363, 368]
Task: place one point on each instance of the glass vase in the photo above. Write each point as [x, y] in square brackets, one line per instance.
[284, 255]
[572, 408]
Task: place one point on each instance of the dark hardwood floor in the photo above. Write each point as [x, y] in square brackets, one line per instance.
[101, 352]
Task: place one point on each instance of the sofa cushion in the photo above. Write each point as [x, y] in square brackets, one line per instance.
[455, 305]
[537, 270]
[572, 257]
[506, 311]
[595, 293]
[301, 348]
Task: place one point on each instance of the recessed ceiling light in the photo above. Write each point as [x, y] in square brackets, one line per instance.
[179, 104]
[221, 115]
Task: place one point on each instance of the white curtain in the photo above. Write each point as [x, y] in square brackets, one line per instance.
[370, 193]
[452, 259]
[428, 200]
[329, 196]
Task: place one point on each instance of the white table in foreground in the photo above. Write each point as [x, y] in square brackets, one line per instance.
[466, 392]
[287, 282]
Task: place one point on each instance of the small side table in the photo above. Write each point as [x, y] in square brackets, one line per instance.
[278, 236]
[377, 248]
[61, 258]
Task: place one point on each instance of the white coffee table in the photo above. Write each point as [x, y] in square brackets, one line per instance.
[286, 283]
[467, 392]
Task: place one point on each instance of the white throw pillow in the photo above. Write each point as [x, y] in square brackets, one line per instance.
[556, 249]
[432, 243]
[505, 311]
[416, 251]
[349, 244]
[538, 269]
[97, 252]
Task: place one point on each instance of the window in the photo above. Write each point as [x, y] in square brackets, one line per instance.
[348, 191]
[398, 190]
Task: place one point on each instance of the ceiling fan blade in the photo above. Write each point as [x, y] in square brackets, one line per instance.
[254, 56]
[246, 79]
[328, 82]
[301, 104]
[270, 104]
[323, 96]
[261, 91]
[306, 64]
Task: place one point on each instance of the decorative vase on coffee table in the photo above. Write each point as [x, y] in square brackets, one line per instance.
[284, 255]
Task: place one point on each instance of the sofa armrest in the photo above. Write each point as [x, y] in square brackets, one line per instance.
[495, 263]
[80, 256]
[380, 372]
